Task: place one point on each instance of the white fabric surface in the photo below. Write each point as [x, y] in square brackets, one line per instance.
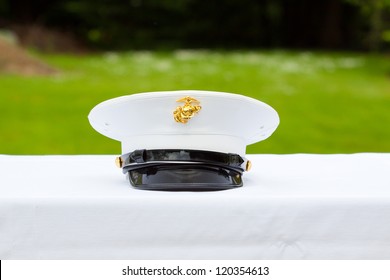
[292, 207]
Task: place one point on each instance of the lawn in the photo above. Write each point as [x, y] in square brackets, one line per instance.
[327, 102]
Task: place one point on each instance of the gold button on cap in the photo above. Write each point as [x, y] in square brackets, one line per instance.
[118, 162]
[248, 165]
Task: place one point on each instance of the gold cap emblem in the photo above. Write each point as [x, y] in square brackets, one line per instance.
[183, 114]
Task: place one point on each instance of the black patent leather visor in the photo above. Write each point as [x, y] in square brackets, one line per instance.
[185, 178]
[183, 170]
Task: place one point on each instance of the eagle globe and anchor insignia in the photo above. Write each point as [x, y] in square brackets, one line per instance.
[183, 114]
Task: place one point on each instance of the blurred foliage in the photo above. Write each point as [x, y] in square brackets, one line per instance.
[155, 24]
[376, 13]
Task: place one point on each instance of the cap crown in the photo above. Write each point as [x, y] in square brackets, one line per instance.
[189, 119]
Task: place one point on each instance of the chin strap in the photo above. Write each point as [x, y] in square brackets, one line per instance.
[181, 158]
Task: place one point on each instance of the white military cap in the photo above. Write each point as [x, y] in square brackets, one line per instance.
[175, 140]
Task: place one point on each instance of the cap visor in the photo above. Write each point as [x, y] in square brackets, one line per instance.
[185, 178]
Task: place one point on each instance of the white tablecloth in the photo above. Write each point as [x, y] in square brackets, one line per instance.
[291, 207]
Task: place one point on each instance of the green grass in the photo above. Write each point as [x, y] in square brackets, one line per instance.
[327, 102]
